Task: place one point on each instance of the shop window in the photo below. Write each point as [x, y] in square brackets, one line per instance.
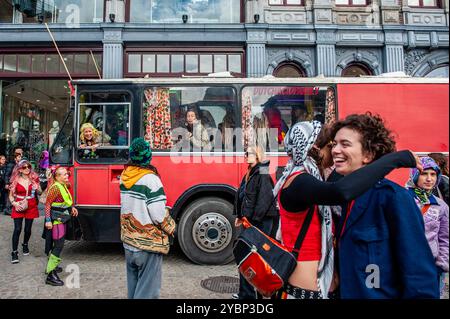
[355, 70]
[148, 61]
[424, 3]
[352, 2]
[220, 63]
[197, 11]
[184, 119]
[289, 70]
[269, 112]
[191, 63]
[103, 134]
[285, 2]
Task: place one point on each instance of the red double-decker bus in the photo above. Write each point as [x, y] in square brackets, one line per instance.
[200, 178]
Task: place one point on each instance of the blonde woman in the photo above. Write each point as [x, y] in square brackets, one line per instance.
[90, 140]
[254, 200]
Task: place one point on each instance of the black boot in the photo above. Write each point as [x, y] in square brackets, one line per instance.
[25, 250]
[53, 279]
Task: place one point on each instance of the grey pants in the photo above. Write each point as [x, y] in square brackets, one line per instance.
[143, 274]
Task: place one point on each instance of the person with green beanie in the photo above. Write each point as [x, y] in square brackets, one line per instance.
[145, 222]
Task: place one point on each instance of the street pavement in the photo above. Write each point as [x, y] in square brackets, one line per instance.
[101, 268]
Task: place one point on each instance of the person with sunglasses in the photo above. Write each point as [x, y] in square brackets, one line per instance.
[22, 194]
[254, 201]
[58, 209]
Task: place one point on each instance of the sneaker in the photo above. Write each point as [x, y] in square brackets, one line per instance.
[234, 296]
[14, 257]
[25, 249]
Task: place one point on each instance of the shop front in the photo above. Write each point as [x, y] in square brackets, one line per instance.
[35, 96]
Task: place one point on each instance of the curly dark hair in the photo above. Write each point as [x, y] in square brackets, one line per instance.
[376, 138]
[322, 140]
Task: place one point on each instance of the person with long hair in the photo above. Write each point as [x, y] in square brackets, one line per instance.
[434, 211]
[58, 211]
[24, 184]
[301, 188]
[146, 224]
[254, 202]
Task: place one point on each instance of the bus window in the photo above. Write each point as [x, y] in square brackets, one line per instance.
[269, 112]
[62, 148]
[103, 132]
[189, 118]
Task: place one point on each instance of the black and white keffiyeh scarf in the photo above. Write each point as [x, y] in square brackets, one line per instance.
[298, 141]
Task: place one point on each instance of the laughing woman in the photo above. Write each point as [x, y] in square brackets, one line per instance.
[58, 209]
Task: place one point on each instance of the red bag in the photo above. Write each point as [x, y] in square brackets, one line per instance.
[264, 262]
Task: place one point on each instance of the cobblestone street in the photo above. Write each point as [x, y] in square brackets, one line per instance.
[102, 270]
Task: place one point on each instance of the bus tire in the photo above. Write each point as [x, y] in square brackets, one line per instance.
[206, 231]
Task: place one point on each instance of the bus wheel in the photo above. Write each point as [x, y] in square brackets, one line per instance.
[206, 231]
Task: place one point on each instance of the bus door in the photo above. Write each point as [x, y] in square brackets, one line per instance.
[103, 139]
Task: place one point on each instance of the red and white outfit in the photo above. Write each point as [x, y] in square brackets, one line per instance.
[19, 194]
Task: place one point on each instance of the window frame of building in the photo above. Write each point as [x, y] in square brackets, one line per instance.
[421, 5]
[360, 65]
[45, 52]
[350, 4]
[299, 68]
[157, 51]
[286, 4]
[128, 12]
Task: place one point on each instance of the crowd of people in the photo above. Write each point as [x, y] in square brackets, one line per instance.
[360, 219]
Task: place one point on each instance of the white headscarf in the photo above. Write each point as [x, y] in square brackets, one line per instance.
[298, 141]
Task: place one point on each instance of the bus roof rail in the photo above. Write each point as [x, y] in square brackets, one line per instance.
[397, 74]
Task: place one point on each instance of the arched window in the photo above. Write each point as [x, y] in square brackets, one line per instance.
[289, 70]
[355, 70]
[439, 72]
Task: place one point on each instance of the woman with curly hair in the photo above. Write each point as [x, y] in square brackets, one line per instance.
[380, 245]
[442, 189]
[90, 140]
[22, 195]
[304, 197]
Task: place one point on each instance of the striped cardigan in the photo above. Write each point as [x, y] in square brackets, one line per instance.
[145, 221]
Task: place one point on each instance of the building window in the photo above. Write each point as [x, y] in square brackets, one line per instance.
[438, 72]
[70, 12]
[49, 64]
[355, 70]
[197, 11]
[352, 2]
[285, 2]
[289, 70]
[175, 64]
[424, 3]
[6, 11]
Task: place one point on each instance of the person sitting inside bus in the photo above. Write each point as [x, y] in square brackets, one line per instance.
[196, 132]
[226, 130]
[275, 121]
[90, 140]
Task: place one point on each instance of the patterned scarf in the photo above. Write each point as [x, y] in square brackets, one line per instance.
[298, 141]
[423, 195]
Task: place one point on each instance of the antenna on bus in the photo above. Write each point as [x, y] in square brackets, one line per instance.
[72, 91]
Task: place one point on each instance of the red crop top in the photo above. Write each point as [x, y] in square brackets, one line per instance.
[291, 224]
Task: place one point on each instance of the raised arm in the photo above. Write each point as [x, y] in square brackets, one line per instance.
[306, 190]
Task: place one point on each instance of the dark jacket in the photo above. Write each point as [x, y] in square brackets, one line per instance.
[9, 169]
[2, 176]
[384, 238]
[254, 198]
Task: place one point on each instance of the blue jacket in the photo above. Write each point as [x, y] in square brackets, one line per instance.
[383, 252]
